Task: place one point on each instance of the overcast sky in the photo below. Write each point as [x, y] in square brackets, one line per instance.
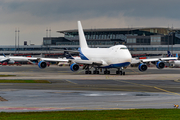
[33, 17]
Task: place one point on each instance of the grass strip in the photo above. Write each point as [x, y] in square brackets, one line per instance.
[7, 75]
[136, 114]
[24, 81]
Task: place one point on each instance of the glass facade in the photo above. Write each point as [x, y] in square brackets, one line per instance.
[134, 36]
[155, 40]
[154, 48]
[131, 40]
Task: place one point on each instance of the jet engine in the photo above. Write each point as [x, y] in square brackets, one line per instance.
[142, 67]
[74, 67]
[160, 65]
[42, 64]
[11, 62]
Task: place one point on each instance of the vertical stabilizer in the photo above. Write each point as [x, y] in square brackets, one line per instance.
[169, 54]
[177, 55]
[68, 55]
[82, 39]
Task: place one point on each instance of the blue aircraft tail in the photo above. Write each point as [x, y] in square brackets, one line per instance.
[68, 55]
[169, 54]
[177, 55]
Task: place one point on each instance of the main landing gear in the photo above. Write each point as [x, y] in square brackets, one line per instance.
[95, 71]
[106, 71]
[87, 70]
[120, 72]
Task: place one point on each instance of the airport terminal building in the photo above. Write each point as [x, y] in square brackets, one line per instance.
[138, 40]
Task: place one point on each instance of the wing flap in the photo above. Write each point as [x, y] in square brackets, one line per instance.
[135, 61]
[54, 60]
[88, 62]
[4, 60]
[159, 59]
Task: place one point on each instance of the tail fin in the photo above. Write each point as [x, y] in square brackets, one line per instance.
[177, 55]
[68, 55]
[82, 39]
[4, 55]
[169, 54]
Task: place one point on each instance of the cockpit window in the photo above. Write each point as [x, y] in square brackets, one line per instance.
[123, 48]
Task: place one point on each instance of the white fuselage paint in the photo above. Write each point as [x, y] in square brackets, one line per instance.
[118, 54]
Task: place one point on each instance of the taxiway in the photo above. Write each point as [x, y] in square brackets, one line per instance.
[76, 91]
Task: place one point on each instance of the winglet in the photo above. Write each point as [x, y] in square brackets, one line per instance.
[82, 39]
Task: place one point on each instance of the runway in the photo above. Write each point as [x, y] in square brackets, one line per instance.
[77, 91]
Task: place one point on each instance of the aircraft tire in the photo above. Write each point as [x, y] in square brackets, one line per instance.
[95, 72]
[120, 72]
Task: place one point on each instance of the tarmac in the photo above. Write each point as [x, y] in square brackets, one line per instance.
[69, 90]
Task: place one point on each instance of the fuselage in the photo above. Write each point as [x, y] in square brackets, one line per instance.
[116, 56]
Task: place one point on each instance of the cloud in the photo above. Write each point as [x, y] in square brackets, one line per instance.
[44, 11]
[34, 16]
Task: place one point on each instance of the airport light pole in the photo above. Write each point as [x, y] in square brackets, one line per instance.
[18, 40]
[50, 39]
[172, 40]
[15, 38]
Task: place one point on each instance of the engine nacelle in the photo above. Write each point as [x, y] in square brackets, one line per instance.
[74, 67]
[42, 64]
[11, 62]
[160, 65]
[142, 67]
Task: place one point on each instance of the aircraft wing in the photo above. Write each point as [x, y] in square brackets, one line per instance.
[53, 59]
[135, 61]
[4, 59]
[32, 58]
[88, 62]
